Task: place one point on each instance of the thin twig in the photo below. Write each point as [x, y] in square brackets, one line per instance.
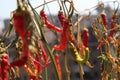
[44, 4]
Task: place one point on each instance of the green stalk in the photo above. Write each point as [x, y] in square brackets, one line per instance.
[66, 68]
[81, 72]
[46, 74]
[36, 20]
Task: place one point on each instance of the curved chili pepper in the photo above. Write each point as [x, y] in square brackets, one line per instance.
[76, 56]
[63, 39]
[58, 65]
[19, 25]
[104, 19]
[85, 37]
[48, 24]
[4, 67]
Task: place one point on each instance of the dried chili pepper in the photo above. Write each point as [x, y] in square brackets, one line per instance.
[85, 37]
[104, 19]
[63, 39]
[4, 67]
[61, 18]
[48, 24]
[58, 65]
[64, 35]
[19, 25]
[112, 25]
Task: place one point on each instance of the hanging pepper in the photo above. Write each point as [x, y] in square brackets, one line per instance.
[4, 67]
[61, 18]
[58, 65]
[104, 19]
[113, 25]
[75, 54]
[85, 37]
[63, 39]
[64, 35]
[19, 25]
[48, 24]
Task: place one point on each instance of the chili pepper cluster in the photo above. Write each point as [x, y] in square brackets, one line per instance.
[108, 39]
[35, 55]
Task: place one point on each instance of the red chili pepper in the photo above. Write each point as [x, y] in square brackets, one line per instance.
[43, 52]
[85, 37]
[100, 45]
[104, 19]
[63, 39]
[48, 24]
[113, 25]
[19, 25]
[4, 67]
[61, 18]
[58, 65]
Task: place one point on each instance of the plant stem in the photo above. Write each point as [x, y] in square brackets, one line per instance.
[37, 22]
[46, 74]
[66, 68]
[81, 72]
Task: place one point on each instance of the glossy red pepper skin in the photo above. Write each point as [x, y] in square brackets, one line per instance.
[58, 65]
[4, 67]
[48, 24]
[85, 37]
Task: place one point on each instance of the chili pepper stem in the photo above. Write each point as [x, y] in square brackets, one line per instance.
[66, 68]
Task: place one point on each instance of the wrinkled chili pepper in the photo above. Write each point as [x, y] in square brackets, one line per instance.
[19, 25]
[58, 65]
[61, 18]
[64, 35]
[104, 19]
[63, 39]
[85, 37]
[4, 67]
[113, 25]
[75, 54]
[48, 24]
